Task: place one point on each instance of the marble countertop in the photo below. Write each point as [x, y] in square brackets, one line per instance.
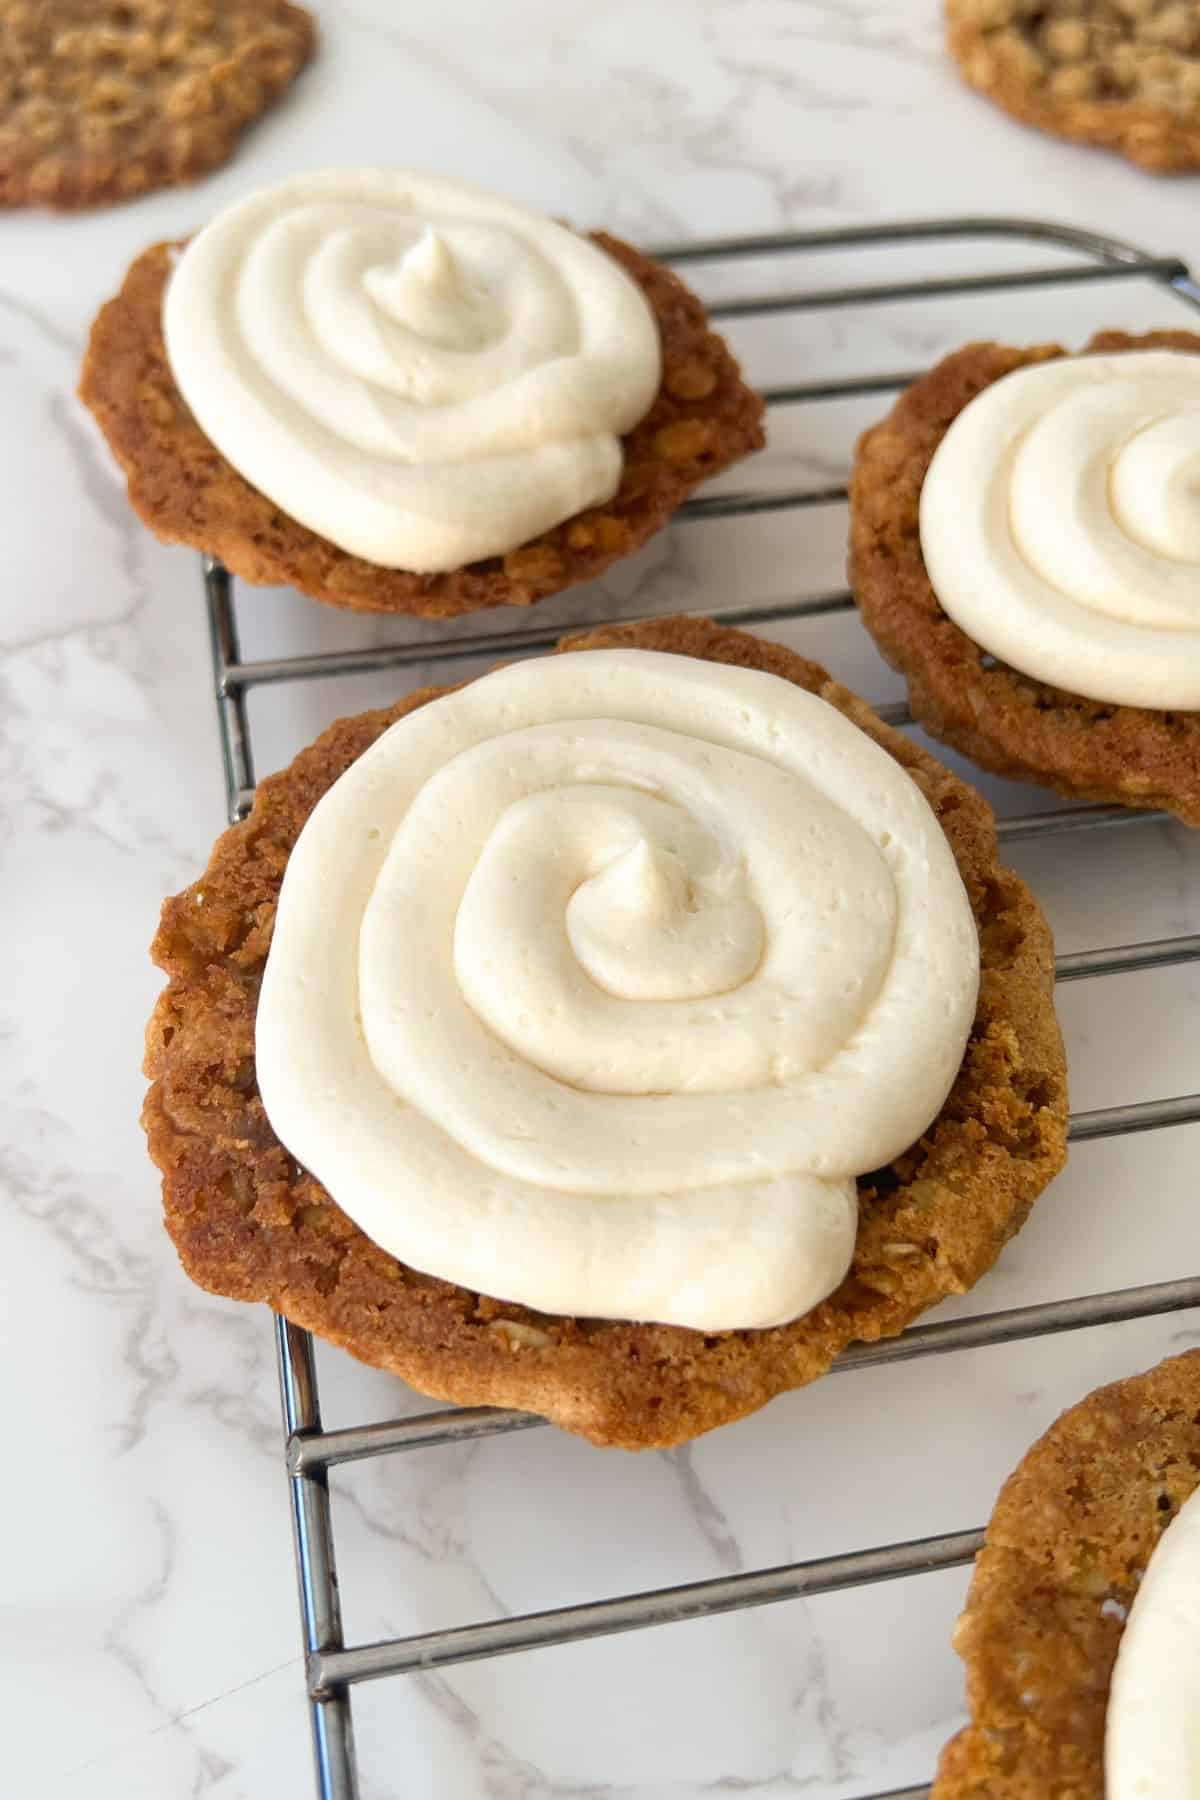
[150, 1634]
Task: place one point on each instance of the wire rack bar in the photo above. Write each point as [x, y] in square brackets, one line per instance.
[496, 644]
[851, 387]
[1089, 258]
[1160, 268]
[1094, 244]
[1141, 1115]
[323, 1449]
[749, 505]
[1123, 959]
[1025, 828]
[638, 1612]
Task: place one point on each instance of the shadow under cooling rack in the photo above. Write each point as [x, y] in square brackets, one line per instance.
[333, 1667]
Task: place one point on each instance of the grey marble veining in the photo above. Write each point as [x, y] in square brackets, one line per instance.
[149, 1636]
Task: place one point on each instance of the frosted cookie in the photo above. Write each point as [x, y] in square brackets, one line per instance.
[403, 394]
[102, 102]
[1123, 74]
[1025, 547]
[632, 1033]
[1081, 1633]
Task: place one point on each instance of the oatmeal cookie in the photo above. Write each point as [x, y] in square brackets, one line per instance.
[1070, 1538]
[1123, 74]
[102, 102]
[703, 418]
[250, 1223]
[1003, 720]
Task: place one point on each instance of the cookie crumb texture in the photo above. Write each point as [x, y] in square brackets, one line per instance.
[1003, 720]
[703, 418]
[1122, 74]
[1073, 1531]
[250, 1223]
[99, 102]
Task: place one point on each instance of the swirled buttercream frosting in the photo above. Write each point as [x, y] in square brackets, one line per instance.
[596, 983]
[1060, 525]
[1152, 1735]
[419, 371]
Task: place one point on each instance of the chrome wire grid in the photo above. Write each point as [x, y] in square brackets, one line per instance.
[333, 1666]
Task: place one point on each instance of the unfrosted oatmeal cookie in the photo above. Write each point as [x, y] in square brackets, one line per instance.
[102, 102]
[1122, 74]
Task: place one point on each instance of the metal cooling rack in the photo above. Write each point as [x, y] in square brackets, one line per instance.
[333, 1666]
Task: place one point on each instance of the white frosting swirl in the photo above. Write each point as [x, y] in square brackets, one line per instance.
[1152, 1733]
[419, 371]
[1060, 525]
[595, 984]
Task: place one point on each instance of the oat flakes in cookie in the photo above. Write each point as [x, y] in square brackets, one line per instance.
[100, 102]
[1081, 1632]
[1056, 639]
[481, 408]
[1121, 74]
[253, 1222]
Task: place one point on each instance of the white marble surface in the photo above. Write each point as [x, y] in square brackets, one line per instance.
[149, 1628]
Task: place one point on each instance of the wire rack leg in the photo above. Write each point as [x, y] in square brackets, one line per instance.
[232, 721]
[320, 1608]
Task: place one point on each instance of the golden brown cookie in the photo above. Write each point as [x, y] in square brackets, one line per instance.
[1001, 719]
[1072, 1533]
[101, 101]
[248, 1222]
[703, 418]
[1123, 74]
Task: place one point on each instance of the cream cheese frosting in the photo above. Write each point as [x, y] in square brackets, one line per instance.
[1152, 1734]
[596, 983]
[1060, 525]
[421, 372]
